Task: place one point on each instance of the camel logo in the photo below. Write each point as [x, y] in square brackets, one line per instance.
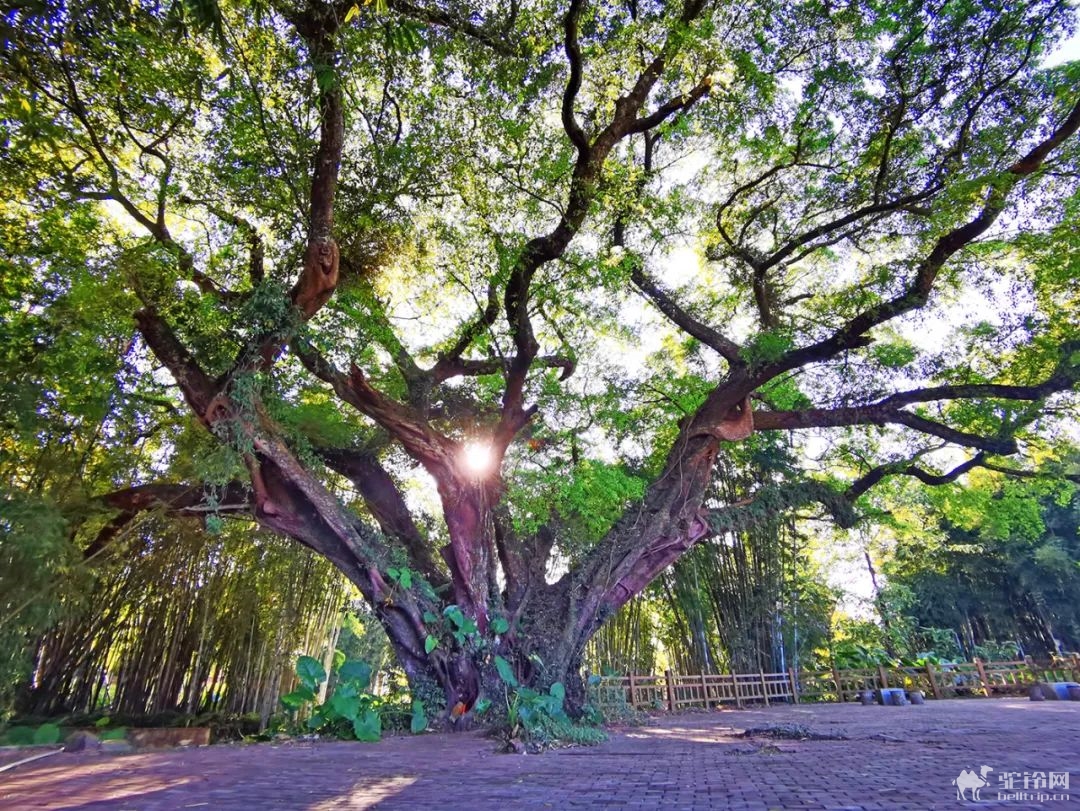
[970, 780]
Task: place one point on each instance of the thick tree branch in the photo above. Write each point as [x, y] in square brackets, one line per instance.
[583, 187]
[918, 291]
[726, 348]
[672, 106]
[876, 415]
[1066, 375]
[765, 505]
[459, 23]
[881, 472]
[432, 449]
[573, 57]
[489, 366]
[172, 499]
[384, 500]
[198, 388]
[888, 410]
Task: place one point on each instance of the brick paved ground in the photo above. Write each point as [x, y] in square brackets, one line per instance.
[894, 758]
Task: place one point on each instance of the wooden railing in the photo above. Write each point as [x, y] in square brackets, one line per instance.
[673, 691]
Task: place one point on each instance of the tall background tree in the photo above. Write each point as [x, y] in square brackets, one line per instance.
[474, 303]
[997, 561]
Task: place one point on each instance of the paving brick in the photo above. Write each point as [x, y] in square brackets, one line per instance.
[893, 759]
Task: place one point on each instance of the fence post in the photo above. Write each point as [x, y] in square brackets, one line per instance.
[670, 690]
[735, 689]
[931, 674]
[633, 690]
[982, 675]
[839, 687]
[1033, 669]
[764, 687]
[883, 676]
[704, 690]
[794, 685]
[1075, 659]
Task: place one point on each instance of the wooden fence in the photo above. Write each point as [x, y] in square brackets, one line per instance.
[674, 691]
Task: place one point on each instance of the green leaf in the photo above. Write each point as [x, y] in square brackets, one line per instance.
[430, 644]
[347, 688]
[500, 626]
[46, 733]
[558, 691]
[419, 718]
[506, 673]
[356, 672]
[103, 721]
[455, 615]
[114, 734]
[368, 726]
[406, 579]
[19, 736]
[348, 707]
[351, 14]
[310, 672]
[298, 697]
[482, 706]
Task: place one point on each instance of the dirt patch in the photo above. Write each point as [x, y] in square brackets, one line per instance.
[792, 732]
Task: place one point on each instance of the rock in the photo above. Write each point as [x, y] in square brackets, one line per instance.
[1074, 693]
[1057, 690]
[159, 737]
[80, 740]
[1036, 693]
[891, 697]
[120, 747]
[916, 697]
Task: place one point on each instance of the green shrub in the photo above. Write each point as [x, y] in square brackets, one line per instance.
[349, 711]
[537, 720]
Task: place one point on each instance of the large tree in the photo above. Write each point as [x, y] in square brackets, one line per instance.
[551, 259]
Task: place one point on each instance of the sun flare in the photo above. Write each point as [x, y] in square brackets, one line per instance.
[478, 458]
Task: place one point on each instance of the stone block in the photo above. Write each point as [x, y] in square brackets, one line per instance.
[165, 737]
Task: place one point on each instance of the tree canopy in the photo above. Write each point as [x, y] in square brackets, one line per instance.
[476, 301]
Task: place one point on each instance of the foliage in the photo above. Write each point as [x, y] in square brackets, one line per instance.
[537, 719]
[42, 735]
[609, 706]
[241, 600]
[349, 711]
[299, 259]
[39, 576]
[1004, 570]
